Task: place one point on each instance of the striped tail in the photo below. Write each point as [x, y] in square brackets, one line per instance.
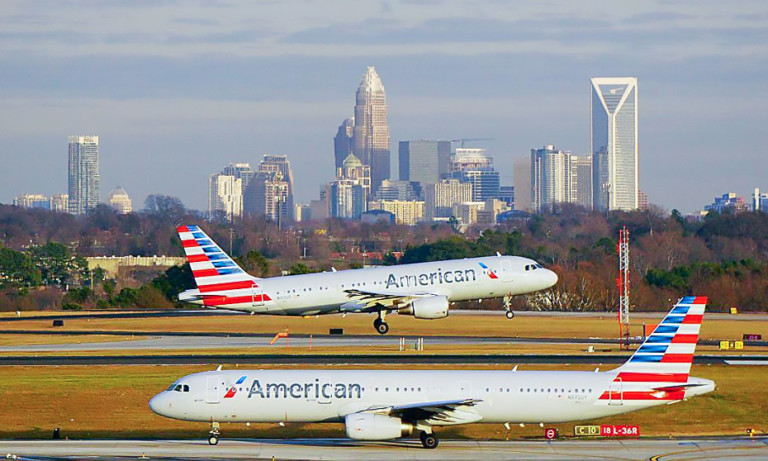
[214, 270]
[659, 369]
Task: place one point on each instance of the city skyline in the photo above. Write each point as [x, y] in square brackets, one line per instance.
[205, 85]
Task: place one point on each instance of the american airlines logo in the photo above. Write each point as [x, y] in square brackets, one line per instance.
[432, 278]
[233, 390]
[309, 390]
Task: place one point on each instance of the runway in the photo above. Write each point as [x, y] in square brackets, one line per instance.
[343, 449]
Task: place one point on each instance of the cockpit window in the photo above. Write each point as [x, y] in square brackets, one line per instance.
[171, 387]
[186, 388]
[539, 266]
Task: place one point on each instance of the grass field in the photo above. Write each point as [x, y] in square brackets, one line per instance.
[463, 325]
[111, 401]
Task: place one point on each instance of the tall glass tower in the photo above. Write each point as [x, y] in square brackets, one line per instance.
[370, 134]
[614, 143]
[83, 174]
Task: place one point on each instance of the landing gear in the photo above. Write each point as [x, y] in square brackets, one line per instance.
[380, 325]
[429, 440]
[508, 307]
[213, 435]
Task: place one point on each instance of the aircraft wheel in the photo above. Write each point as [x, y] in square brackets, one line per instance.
[510, 315]
[429, 441]
[213, 440]
[381, 327]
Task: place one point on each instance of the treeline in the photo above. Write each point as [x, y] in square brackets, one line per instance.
[723, 256]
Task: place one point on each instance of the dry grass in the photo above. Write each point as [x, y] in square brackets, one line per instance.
[464, 325]
[111, 401]
[31, 340]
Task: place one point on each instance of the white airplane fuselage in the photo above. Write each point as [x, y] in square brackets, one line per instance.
[307, 396]
[329, 292]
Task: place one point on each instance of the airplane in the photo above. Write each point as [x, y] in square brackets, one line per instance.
[423, 290]
[389, 404]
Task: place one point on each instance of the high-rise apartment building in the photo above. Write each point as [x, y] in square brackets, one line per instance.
[270, 191]
[440, 197]
[398, 190]
[614, 143]
[408, 212]
[120, 201]
[424, 161]
[225, 196]
[759, 201]
[342, 142]
[581, 180]
[550, 177]
[370, 133]
[84, 179]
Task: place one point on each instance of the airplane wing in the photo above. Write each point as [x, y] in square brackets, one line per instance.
[370, 301]
[441, 413]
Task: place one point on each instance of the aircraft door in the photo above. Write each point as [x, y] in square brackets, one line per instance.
[616, 393]
[505, 270]
[213, 389]
[257, 296]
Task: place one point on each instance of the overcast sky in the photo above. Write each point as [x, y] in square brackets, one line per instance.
[176, 90]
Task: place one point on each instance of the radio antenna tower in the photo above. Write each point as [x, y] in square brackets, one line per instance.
[623, 283]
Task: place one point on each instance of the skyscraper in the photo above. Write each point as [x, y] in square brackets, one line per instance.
[83, 174]
[424, 161]
[614, 143]
[581, 180]
[342, 142]
[348, 195]
[521, 177]
[241, 171]
[370, 133]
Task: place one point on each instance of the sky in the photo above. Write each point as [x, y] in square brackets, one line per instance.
[176, 90]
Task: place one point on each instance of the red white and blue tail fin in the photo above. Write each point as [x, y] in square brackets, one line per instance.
[659, 369]
[213, 269]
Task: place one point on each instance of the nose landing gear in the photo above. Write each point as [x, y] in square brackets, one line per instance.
[508, 307]
[213, 435]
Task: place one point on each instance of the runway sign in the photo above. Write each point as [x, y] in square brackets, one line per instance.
[586, 431]
[550, 433]
[619, 430]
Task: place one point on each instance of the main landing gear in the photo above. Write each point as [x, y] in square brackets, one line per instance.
[213, 435]
[509, 313]
[429, 439]
[380, 325]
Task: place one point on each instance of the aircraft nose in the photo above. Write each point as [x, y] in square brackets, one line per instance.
[550, 277]
[159, 404]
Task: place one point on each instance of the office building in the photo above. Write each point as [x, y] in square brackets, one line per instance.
[225, 197]
[521, 177]
[424, 161]
[614, 143]
[398, 190]
[120, 201]
[348, 195]
[760, 201]
[550, 177]
[507, 195]
[470, 159]
[408, 212]
[241, 171]
[59, 203]
[342, 142]
[729, 202]
[270, 191]
[439, 198]
[370, 132]
[32, 201]
[485, 182]
[84, 177]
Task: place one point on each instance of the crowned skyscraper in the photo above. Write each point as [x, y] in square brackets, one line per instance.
[370, 134]
[84, 177]
[614, 143]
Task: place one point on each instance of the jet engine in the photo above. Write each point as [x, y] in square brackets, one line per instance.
[372, 426]
[429, 307]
